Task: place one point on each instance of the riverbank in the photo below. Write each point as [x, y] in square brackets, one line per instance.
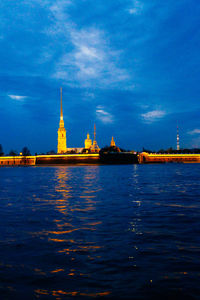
[96, 158]
[145, 158]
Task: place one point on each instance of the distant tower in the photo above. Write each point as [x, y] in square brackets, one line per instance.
[62, 141]
[88, 142]
[177, 139]
[95, 147]
[112, 143]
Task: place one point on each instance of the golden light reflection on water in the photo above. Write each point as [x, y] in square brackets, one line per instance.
[177, 205]
[59, 293]
[83, 194]
[135, 224]
[57, 270]
[73, 229]
[86, 191]
[39, 271]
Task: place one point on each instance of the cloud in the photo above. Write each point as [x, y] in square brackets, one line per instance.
[89, 95]
[194, 131]
[85, 58]
[17, 97]
[153, 115]
[137, 7]
[103, 115]
[91, 62]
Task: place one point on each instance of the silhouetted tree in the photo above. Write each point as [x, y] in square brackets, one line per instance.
[170, 150]
[146, 150]
[196, 150]
[1, 150]
[161, 151]
[52, 152]
[13, 153]
[110, 149]
[72, 151]
[26, 151]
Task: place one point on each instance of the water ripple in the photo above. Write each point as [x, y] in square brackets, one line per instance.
[100, 231]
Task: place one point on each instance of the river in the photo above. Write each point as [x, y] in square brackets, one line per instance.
[110, 232]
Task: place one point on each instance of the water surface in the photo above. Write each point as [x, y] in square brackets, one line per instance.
[111, 232]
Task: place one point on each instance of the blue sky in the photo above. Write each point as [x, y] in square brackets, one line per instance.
[130, 66]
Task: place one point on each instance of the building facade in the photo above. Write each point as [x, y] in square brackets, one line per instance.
[88, 142]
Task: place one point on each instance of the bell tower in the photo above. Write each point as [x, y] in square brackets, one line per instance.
[62, 141]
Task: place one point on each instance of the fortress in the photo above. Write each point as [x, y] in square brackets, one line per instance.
[89, 154]
[62, 139]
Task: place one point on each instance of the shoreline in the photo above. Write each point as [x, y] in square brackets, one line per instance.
[110, 158]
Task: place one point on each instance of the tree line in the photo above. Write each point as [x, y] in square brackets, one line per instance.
[25, 152]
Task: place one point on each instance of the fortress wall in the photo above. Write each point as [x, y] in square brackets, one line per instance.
[67, 159]
[48, 159]
[92, 158]
[17, 161]
[164, 158]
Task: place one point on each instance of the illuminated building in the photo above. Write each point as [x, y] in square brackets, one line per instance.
[62, 141]
[88, 142]
[112, 143]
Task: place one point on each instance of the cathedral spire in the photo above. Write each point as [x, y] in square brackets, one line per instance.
[62, 140]
[112, 143]
[61, 109]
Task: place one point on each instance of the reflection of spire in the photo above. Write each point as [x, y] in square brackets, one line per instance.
[61, 110]
[178, 146]
[64, 205]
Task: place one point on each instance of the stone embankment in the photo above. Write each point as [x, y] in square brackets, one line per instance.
[95, 158]
[17, 160]
[145, 158]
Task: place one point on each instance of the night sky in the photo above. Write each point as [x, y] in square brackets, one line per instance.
[132, 67]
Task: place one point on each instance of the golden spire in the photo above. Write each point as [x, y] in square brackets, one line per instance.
[112, 144]
[94, 132]
[61, 110]
[62, 140]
